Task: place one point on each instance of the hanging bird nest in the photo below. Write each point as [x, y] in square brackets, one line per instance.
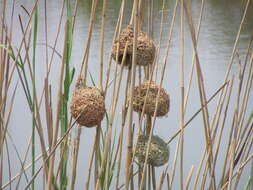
[139, 95]
[87, 105]
[146, 49]
[158, 153]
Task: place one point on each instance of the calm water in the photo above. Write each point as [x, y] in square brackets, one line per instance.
[218, 31]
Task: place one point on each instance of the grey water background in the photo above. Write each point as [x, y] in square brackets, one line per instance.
[220, 24]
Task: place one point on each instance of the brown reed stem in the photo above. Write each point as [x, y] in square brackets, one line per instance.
[156, 67]
[111, 118]
[205, 113]
[76, 145]
[55, 134]
[84, 66]
[181, 73]
[188, 179]
[197, 112]
[87, 183]
[129, 156]
[123, 121]
[193, 57]
[52, 152]
[101, 61]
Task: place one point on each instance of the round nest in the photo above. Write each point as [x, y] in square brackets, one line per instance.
[146, 49]
[87, 105]
[139, 95]
[158, 153]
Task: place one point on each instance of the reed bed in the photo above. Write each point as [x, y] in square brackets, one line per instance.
[121, 103]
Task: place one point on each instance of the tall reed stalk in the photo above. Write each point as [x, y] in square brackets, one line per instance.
[69, 74]
[35, 30]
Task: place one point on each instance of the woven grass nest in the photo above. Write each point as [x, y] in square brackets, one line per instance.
[89, 104]
[158, 154]
[139, 98]
[146, 49]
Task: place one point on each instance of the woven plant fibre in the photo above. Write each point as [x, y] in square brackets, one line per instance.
[146, 49]
[158, 154]
[87, 106]
[140, 93]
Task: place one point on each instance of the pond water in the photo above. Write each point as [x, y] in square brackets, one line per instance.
[220, 24]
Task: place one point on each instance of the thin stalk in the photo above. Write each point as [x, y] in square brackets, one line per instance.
[129, 156]
[90, 165]
[116, 91]
[101, 61]
[65, 96]
[174, 164]
[24, 168]
[102, 34]
[123, 121]
[246, 97]
[188, 179]
[161, 181]
[193, 57]
[35, 29]
[243, 164]
[84, 66]
[58, 112]
[56, 39]
[223, 123]
[162, 76]
[156, 68]
[107, 144]
[197, 112]
[76, 145]
[199, 170]
[163, 69]
[52, 153]
[26, 88]
[202, 92]
[116, 33]
[181, 73]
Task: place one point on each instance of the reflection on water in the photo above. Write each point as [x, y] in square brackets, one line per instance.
[218, 31]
